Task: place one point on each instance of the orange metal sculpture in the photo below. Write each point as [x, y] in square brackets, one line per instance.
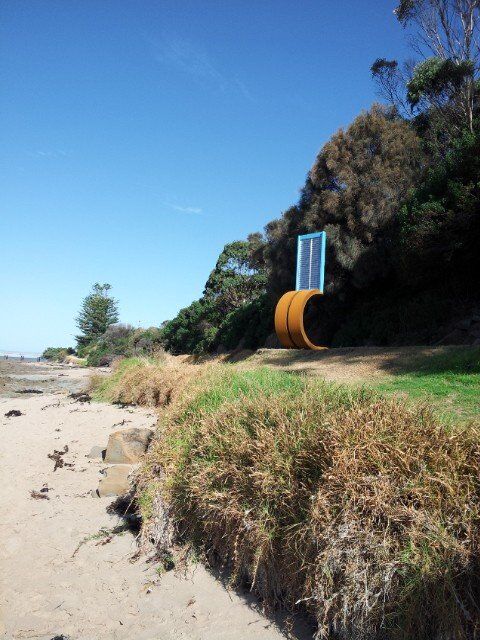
[289, 323]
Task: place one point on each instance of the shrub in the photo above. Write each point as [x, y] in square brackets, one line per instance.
[403, 316]
[146, 342]
[122, 340]
[194, 328]
[247, 326]
[227, 313]
[57, 354]
[113, 343]
[363, 510]
[440, 228]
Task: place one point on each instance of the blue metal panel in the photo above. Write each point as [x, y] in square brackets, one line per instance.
[299, 246]
[311, 261]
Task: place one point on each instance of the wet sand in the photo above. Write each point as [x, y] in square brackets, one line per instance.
[17, 377]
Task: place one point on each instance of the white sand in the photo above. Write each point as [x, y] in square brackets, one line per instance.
[99, 593]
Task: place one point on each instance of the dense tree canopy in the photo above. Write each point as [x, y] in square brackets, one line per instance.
[440, 222]
[398, 194]
[229, 300]
[238, 276]
[353, 192]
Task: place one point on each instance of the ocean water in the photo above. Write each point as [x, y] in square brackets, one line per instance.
[27, 357]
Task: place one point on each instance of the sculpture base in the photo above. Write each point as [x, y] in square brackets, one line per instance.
[289, 319]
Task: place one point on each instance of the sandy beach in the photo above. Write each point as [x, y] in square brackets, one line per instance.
[64, 572]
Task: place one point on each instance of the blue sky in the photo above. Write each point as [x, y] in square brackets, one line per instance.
[140, 136]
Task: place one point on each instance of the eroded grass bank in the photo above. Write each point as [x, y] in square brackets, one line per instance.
[356, 507]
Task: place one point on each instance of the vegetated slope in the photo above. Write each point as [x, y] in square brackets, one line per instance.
[402, 230]
[357, 507]
[447, 378]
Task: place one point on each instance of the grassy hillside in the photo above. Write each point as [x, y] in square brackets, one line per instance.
[447, 378]
[352, 504]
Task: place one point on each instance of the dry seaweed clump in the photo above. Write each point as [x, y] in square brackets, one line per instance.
[361, 510]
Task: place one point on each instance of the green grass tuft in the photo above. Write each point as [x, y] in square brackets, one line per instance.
[104, 388]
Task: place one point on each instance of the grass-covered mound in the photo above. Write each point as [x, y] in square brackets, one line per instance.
[357, 507]
[142, 381]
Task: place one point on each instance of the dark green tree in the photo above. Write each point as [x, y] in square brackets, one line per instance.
[440, 221]
[239, 274]
[99, 310]
[353, 192]
[194, 328]
[230, 307]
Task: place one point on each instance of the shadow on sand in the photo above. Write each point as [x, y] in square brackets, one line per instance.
[296, 626]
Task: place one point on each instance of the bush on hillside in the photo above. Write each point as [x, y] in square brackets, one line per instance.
[147, 342]
[230, 310]
[122, 340]
[57, 354]
[194, 328]
[405, 316]
[112, 344]
[247, 326]
[239, 275]
[440, 222]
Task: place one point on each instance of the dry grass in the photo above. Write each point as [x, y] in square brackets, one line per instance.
[362, 510]
[143, 381]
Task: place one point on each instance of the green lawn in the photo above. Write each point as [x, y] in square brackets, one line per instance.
[450, 382]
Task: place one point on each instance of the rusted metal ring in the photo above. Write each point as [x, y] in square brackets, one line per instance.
[295, 319]
[281, 320]
[289, 319]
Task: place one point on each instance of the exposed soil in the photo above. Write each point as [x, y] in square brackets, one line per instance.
[348, 365]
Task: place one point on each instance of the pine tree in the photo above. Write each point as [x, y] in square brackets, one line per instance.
[99, 310]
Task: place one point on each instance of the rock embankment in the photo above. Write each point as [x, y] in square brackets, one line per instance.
[125, 449]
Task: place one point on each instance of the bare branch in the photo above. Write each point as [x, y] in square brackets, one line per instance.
[448, 30]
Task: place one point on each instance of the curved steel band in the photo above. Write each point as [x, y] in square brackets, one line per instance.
[289, 315]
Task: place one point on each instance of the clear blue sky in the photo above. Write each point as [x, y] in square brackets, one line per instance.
[139, 136]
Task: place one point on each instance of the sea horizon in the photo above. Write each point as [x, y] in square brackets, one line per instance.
[20, 355]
